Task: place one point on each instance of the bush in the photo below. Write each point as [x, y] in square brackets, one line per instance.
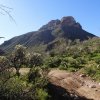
[53, 62]
[32, 87]
[13, 89]
[93, 71]
[81, 60]
[69, 63]
[73, 63]
[42, 94]
[36, 60]
[33, 74]
[90, 71]
[96, 57]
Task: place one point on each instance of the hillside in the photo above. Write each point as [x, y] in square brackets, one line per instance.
[66, 28]
[67, 72]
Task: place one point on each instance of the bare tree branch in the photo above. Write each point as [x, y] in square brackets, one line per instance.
[7, 10]
[5, 6]
[2, 37]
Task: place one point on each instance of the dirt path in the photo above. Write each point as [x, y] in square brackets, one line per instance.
[76, 83]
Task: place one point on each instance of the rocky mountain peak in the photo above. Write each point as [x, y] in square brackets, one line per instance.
[65, 21]
[54, 22]
[50, 25]
[70, 21]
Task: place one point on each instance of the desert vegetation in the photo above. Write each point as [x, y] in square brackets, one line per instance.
[13, 85]
[72, 56]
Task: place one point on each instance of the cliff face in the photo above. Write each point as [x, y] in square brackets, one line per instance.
[67, 28]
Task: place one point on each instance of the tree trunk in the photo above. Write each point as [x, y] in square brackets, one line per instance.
[17, 72]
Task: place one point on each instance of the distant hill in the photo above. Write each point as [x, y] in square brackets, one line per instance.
[66, 28]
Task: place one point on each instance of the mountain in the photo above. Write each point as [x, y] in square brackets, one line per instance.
[66, 28]
[1, 52]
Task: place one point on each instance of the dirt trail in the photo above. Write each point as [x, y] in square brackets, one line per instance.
[75, 83]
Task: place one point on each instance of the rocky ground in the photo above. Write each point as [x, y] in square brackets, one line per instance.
[77, 85]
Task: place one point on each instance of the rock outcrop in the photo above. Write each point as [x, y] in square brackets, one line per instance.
[51, 25]
[70, 21]
[74, 86]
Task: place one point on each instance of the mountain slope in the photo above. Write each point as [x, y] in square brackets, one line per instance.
[66, 28]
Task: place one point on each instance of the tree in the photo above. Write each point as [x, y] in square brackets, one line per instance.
[3, 63]
[18, 58]
[36, 60]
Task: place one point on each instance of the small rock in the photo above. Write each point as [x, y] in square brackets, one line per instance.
[82, 75]
[76, 97]
[99, 83]
[93, 79]
[96, 90]
[92, 86]
[81, 84]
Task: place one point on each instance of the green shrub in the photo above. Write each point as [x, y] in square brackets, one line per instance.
[33, 74]
[81, 60]
[36, 60]
[90, 71]
[96, 57]
[42, 94]
[53, 62]
[94, 72]
[13, 89]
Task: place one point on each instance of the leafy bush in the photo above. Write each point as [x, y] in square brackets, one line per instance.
[33, 74]
[42, 94]
[13, 89]
[53, 62]
[93, 71]
[81, 60]
[36, 60]
[70, 64]
[97, 59]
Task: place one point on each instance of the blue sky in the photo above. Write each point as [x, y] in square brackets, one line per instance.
[30, 15]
